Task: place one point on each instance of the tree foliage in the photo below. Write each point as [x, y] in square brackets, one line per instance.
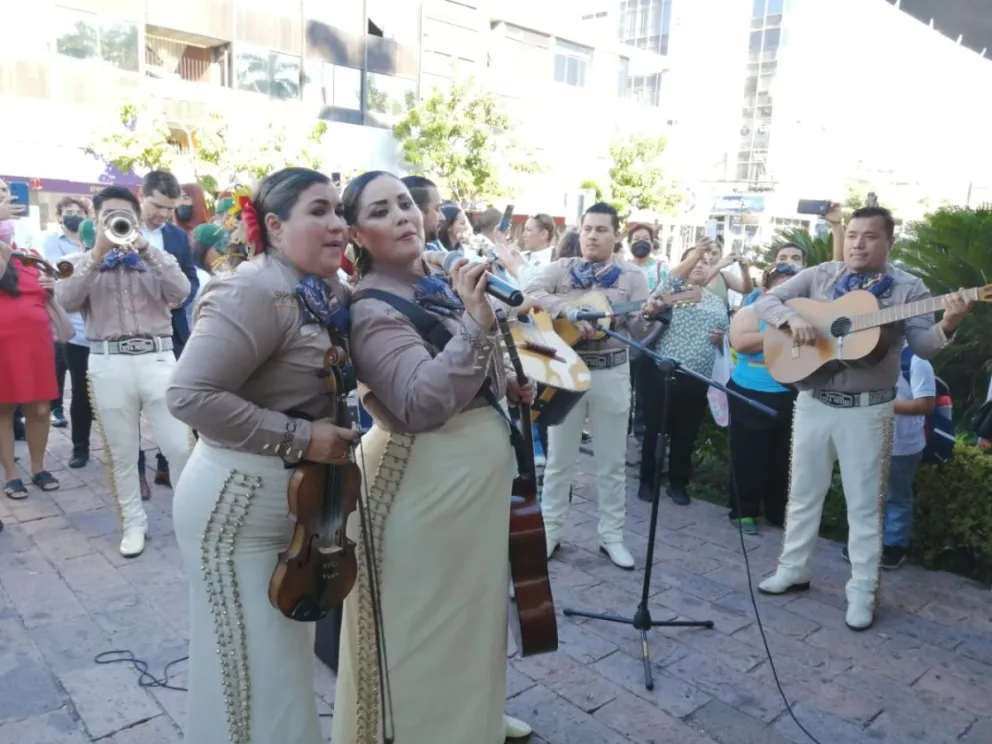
[819, 248]
[461, 138]
[217, 154]
[949, 249]
[637, 176]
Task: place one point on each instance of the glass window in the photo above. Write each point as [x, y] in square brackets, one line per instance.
[571, 61]
[754, 45]
[325, 84]
[623, 75]
[774, 7]
[269, 73]
[772, 38]
[386, 97]
[758, 9]
[86, 36]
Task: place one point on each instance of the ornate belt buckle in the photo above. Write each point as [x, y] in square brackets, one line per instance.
[135, 346]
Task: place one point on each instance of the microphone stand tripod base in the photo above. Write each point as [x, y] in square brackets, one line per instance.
[642, 620]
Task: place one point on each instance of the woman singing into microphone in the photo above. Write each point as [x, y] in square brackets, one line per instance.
[248, 383]
[438, 468]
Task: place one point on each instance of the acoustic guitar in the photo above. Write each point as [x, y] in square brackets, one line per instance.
[562, 377]
[532, 617]
[594, 301]
[848, 330]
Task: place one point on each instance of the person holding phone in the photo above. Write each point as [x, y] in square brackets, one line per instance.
[27, 357]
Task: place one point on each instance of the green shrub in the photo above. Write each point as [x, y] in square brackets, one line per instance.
[952, 520]
[952, 524]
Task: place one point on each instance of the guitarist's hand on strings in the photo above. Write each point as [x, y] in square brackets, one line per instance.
[955, 308]
[329, 444]
[803, 332]
[517, 393]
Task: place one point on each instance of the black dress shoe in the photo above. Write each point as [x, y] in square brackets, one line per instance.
[679, 495]
[645, 492]
[79, 459]
[162, 477]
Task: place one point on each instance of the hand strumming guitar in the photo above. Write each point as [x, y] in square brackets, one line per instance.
[803, 332]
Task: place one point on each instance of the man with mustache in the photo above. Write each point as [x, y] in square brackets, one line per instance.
[846, 413]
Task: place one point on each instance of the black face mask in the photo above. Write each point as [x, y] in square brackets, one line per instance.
[71, 222]
[184, 212]
[641, 249]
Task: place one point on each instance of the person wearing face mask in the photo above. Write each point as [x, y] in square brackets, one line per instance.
[72, 357]
[191, 212]
[70, 212]
[248, 384]
[641, 239]
[438, 467]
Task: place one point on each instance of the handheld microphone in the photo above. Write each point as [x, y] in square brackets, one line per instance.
[496, 287]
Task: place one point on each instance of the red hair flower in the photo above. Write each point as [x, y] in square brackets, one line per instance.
[253, 230]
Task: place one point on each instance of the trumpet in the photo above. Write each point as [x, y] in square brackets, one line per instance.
[120, 227]
[61, 270]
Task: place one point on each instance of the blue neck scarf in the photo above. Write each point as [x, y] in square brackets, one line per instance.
[876, 283]
[435, 295]
[129, 260]
[319, 305]
[585, 274]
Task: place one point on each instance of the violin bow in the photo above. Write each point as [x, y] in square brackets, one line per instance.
[382, 662]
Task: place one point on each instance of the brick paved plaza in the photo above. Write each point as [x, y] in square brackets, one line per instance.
[923, 673]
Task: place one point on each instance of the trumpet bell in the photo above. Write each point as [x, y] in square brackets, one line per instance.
[120, 227]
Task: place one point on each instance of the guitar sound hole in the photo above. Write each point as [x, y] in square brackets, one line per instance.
[840, 327]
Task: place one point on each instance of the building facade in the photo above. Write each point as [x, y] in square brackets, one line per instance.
[66, 63]
[565, 84]
[773, 101]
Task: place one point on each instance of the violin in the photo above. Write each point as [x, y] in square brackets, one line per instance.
[61, 270]
[319, 569]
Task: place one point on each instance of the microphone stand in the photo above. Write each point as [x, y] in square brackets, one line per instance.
[642, 620]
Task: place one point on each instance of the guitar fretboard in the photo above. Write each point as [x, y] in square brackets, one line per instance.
[893, 314]
[510, 345]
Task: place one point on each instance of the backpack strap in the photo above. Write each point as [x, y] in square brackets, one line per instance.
[906, 363]
[433, 331]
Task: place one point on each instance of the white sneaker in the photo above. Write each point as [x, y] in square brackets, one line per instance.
[783, 583]
[515, 728]
[860, 613]
[619, 554]
[133, 543]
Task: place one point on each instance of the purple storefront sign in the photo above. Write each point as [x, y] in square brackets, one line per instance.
[111, 176]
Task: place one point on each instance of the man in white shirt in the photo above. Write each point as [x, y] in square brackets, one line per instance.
[915, 400]
[73, 356]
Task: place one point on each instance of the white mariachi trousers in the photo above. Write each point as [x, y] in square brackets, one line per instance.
[861, 439]
[122, 387]
[607, 405]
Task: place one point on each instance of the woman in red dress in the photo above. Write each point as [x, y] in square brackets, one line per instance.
[27, 360]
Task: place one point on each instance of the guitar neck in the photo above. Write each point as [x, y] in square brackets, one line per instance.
[511, 347]
[896, 313]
